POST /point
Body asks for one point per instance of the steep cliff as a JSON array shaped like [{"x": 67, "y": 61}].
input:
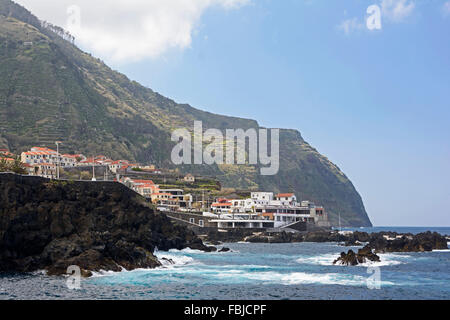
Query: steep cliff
[{"x": 50, "y": 90}]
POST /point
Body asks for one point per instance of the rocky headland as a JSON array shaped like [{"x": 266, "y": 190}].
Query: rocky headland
[{"x": 50, "y": 225}]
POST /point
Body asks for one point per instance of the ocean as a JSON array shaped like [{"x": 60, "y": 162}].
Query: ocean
[{"x": 257, "y": 271}]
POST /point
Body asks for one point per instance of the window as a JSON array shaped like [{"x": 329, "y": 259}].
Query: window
[
  {"x": 192, "y": 220},
  {"x": 200, "y": 223}
]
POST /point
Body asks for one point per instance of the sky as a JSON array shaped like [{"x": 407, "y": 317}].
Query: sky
[{"x": 369, "y": 90}]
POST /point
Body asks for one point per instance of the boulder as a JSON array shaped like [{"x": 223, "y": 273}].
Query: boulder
[{"x": 352, "y": 259}]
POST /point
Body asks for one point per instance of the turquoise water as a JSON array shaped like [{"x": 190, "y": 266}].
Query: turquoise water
[{"x": 255, "y": 271}]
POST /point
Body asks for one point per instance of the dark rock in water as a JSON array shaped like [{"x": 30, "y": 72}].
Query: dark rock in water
[
  {"x": 356, "y": 238},
  {"x": 97, "y": 226},
  {"x": 381, "y": 241},
  {"x": 274, "y": 237},
  {"x": 234, "y": 235},
  {"x": 421, "y": 242},
  {"x": 352, "y": 259},
  {"x": 169, "y": 261},
  {"x": 366, "y": 254},
  {"x": 319, "y": 236},
  {"x": 224, "y": 249},
  {"x": 348, "y": 259},
  {"x": 352, "y": 243},
  {"x": 360, "y": 236},
  {"x": 393, "y": 242}
]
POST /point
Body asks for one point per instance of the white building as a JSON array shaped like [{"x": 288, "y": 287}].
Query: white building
[
  {"x": 39, "y": 155},
  {"x": 262, "y": 209},
  {"x": 286, "y": 199},
  {"x": 262, "y": 198}
]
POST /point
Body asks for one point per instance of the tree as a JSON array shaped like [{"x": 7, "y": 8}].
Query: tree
[
  {"x": 3, "y": 165},
  {"x": 17, "y": 167}
]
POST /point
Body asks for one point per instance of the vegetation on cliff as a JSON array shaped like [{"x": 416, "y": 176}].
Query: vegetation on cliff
[{"x": 14, "y": 166}]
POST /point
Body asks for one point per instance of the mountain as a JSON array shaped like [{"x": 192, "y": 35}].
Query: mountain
[{"x": 50, "y": 90}]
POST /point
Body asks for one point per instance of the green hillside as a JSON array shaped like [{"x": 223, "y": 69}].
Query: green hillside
[{"x": 50, "y": 90}]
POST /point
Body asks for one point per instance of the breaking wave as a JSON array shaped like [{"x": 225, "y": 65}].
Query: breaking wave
[
  {"x": 295, "y": 278},
  {"x": 387, "y": 259}
]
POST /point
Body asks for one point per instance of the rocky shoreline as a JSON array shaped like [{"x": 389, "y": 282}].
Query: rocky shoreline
[
  {"x": 384, "y": 241},
  {"x": 51, "y": 225},
  {"x": 372, "y": 243}
]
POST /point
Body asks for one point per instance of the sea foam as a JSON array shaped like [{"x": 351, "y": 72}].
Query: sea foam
[
  {"x": 387, "y": 259},
  {"x": 296, "y": 278}
]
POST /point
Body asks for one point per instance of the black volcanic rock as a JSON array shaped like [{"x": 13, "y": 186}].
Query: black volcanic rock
[
  {"x": 348, "y": 259},
  {"x": 421, "y": 242},
  {"x": 393, "y": 242},
  {"x": 51, "y": 225},
  {"x": 274, "y": 237},
  {"x": 352, "y": 259}
]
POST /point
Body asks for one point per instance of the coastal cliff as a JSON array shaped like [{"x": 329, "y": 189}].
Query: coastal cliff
[
  {"x": 52, "y": 91},
  {"x": 50, "y": 225}
]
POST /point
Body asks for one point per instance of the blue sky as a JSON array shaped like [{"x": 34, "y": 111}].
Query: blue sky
[{"x": 376, "y": 103}]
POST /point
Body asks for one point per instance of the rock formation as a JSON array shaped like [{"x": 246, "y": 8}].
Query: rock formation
[
  {"x": 352, "y": 259},
  {"x": 51, "y": 225}
]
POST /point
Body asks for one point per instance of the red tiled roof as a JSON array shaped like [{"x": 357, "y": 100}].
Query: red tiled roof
[
  {"x": 44, "y": 149},
  {"x": 69, "y": 155},
  {"x": 284, "y": 195},
  {"x": 226, "y": 204},
  {"x": 39, "y": 153}
]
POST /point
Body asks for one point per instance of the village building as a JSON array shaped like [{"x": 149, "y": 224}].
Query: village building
[
  {"x": 221, "y": 206},
  {"x": 264, "y": 210},
  {"x": 42, "y": 155},
  {"x": 46, "y": 170},
  {"x": 6, "y": 153},
  {"x": 178, "y": 199},
  {"x": 115, "y": 166}
]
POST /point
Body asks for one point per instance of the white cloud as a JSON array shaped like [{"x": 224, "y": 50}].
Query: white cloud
[
  {"x": 350, "y": 25},
  {"x": 446, "y": 8},
  {"x": 397, "y": 10},
  {"x": 130, "y": 30},
  {"x": 393, "y": 11}
]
